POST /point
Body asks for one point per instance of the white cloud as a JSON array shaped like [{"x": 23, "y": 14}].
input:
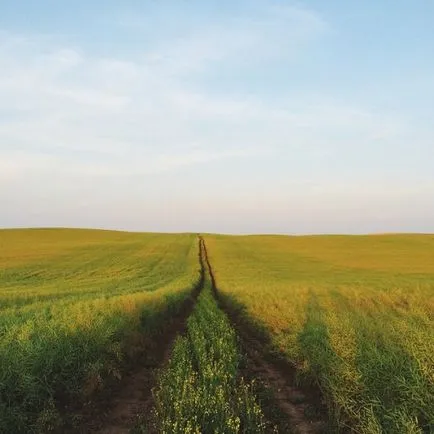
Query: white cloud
[
  {"x": 61, "y": 102},
  {"x": 62, "y": 98},
  {"x": 75, "y": 117},
  {"x": 260, "y": 36}
]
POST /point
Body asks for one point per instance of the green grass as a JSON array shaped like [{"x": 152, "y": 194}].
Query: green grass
[
  {"x": 355, "y": 314},
  {"x": 74, "y": 304},
  {"x": 201, "y": 391}
]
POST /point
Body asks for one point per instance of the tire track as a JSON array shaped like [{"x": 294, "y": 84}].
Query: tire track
[
  {"x": 123, "y": 404},
  {"x": 299, "y": 411}
]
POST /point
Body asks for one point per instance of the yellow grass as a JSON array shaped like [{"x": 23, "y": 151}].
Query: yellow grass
[
  {"x": 355, "y": 314},
  {"x": 69, "y": 302}
]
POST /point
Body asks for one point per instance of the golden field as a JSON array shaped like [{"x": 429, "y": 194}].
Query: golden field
[
  {"x": 354, "y": 314},
  {"x": 72, "y": 305}
]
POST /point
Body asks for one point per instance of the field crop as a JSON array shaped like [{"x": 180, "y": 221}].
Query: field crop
[
  {"x": 354, "y": 314},
  {"x": 74, "y": 304}
]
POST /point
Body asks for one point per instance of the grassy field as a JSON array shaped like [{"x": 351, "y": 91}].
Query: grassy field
[
  {"x": 74, "y": 304},
  {"x": 355, "y": 314}
]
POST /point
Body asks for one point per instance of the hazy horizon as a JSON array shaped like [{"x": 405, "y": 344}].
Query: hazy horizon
[
  {"x": 252, "y": 117},
  {"x": 313, "y": 234}
]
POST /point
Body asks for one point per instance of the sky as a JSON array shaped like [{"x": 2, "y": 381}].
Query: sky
[{"x": 228, "y": 116}]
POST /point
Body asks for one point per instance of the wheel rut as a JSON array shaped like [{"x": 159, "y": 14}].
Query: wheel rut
[
  {"x": 122, "y": 405},
  {"x": 293, "y": 409}
]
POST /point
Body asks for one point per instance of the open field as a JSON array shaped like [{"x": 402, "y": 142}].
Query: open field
[
  {"x": 73, "y": 305},
  {"x": 355, "y": 315},
  {"x": 282, "y": 334}
]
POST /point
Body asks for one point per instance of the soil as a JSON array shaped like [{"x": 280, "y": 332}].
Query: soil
[
  {"x": 288, "y": 406},
  {"x": 119, "y": 408}
]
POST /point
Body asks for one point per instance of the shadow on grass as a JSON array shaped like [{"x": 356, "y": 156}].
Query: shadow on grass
[
  {"x": 255, "y": 337},
  {"x": 315, "y": 344}
]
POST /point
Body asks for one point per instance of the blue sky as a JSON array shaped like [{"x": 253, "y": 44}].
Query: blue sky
[{"x": 218, "y": 116}]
